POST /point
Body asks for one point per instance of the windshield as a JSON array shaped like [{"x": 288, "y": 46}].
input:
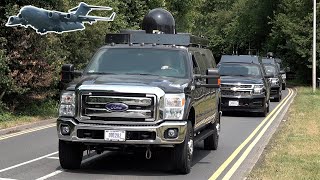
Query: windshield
[
  {"x": 270, "y": 69},
  {"x": 142, "y": 61},
  {"x": 227, "y": 69}
]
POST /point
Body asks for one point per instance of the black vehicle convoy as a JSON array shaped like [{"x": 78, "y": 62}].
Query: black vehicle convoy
[
  {"x": 244, "y": 84},
  {"x": 278, "y": 62},
  {"x": 273, "y": 70},
  {"x": 142, "y": 91}
]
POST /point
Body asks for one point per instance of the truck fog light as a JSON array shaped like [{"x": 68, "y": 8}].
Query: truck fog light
[
  {"x": 65, "y": 129},
  {"x": 171, "y": 133}
]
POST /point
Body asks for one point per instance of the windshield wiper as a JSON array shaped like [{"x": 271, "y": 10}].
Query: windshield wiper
[
  {"x": 105, "y": 73},
  {"x": 142, "y": 74},
  {"x": 234, "y": 75}
]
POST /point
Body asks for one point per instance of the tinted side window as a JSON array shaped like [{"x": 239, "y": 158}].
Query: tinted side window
[
  {"x": 207, "y": 61},
  {"x": 201, "y": 62},
  {"x": 195, "y": 66},
  {"x": 210, "y": 59},
  {"x": 263, "y": 70}
]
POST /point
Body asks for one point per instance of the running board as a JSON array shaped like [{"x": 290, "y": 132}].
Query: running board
[{"x": 204, "y": 134}]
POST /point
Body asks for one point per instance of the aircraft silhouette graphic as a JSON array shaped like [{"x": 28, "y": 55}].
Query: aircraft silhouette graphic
[{"x": 45, "y": 21}]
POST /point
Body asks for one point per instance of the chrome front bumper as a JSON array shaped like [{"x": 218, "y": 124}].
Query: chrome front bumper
[{"x": 158, "y": 129}]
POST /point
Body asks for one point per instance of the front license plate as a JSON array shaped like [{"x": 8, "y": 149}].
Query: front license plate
[
  {"x": 233, "y": 103},
  {"x": 114, "y": 135}
]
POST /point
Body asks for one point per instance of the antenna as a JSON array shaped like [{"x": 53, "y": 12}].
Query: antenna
[
  {"x": 233, "y": 50},
  {"x": 237, "y": 50}
]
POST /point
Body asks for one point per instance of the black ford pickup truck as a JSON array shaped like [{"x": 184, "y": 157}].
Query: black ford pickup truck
[{"x": 141, "y": 91}]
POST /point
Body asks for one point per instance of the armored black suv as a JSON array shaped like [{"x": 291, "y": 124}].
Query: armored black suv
[
  {"x": 141, "y": 91},
  {"x": 277, "y": 62},
  {"x": 244, "y": 84},
  {"x": 273, "y": 70}
]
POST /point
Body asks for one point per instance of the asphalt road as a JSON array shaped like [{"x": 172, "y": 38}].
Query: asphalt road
[{"x": 34, "y": 155}]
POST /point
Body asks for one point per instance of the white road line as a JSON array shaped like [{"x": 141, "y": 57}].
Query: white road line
[
  {"x": 89, "y": 158},
  {"x": 50, "y": 175},
  {"x": 53, "y": 158},
  {"x": 27, "y": 162},
  {"x": 6, "y": 179}
]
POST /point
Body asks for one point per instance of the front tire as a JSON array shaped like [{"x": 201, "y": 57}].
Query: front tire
[
  {"x": 212, "y": 142},
  {"x": 264, "y": 111},
  {"x": 183, "y": 153},
  {"x": 70, "y": 155},
  {"x": 279, "y": 96}
]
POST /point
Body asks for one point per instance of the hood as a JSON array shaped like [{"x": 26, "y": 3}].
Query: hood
[
  {"x": 241, "y": 80},
  {"x": 167, "y": 84}
]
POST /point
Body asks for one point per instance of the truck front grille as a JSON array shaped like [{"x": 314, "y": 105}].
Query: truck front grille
[
  {"x": 141, "y": 107},
  {"x": 236, "y": 86},
  {"x": 235, "y": 93}
]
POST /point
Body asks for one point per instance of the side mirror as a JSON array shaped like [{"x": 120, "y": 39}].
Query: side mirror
[
  {"x": 67, "y": 73},
  {"x": 212, "y": 78}
]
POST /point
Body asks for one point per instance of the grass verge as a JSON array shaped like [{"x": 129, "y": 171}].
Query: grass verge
[
  {"x": 293, "y": 152},
  {"x": 31, "y": 113}
]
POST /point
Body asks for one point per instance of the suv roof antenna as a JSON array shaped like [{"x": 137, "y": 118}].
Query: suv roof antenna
[
  {"x": 237, "y": 50},
  {"x": 233, "y": 50}
]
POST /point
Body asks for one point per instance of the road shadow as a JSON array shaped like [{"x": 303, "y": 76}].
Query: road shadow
[
  {"x": 121, "y": 163},
  {"x": 240, "y": 114}
]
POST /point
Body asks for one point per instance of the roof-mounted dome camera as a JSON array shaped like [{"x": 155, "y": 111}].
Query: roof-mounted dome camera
[
  {"x": 270, "y": 55},
  {"x": 159, "y": 21}
]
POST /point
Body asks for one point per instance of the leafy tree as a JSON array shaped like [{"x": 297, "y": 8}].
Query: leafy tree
[
  {"x": 28, "y": 62},
  {"x": 291, "y": 36}
]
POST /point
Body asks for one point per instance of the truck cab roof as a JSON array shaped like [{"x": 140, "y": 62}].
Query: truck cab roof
[{"x": 240, "y": 59}]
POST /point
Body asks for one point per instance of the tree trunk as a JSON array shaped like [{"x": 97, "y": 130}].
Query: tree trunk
[{"x": 2, "y": 94}]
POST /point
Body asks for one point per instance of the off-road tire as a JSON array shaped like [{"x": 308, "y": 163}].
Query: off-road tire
[
  {"x": 279, "y": 96},
  {"x": 70, "y": 155},
  {"x": 264, "y": 112},
  {"x": 182, "y": 157}
]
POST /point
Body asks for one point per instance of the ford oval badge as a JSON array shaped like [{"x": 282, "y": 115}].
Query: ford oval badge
[{"x": 116, "y": 107}]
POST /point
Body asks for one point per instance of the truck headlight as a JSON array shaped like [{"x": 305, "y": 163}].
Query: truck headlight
[
  {"x": 172, "y": 106},
  {"x": 258, "y": 89},
  {"x": 67, "y": 104}
]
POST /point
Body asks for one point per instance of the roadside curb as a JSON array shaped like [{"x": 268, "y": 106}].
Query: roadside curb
[
  {"x": 26, "y": 126},
  {"x": 256, "y": 153}
]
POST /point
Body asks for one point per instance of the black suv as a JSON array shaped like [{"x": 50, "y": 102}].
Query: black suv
[
  {"x": 273, "y": 70},
  {"x": 244, "y": 84},
  {"x": 142, "y": 91},
  {"x": 278, "y": 63}
]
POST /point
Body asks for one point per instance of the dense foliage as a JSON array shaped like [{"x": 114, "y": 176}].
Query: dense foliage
[{"x": 30, "y": 63}]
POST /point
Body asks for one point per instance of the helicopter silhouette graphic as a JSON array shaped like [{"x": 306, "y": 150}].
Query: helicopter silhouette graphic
[{"x": 45, "y": 21}]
